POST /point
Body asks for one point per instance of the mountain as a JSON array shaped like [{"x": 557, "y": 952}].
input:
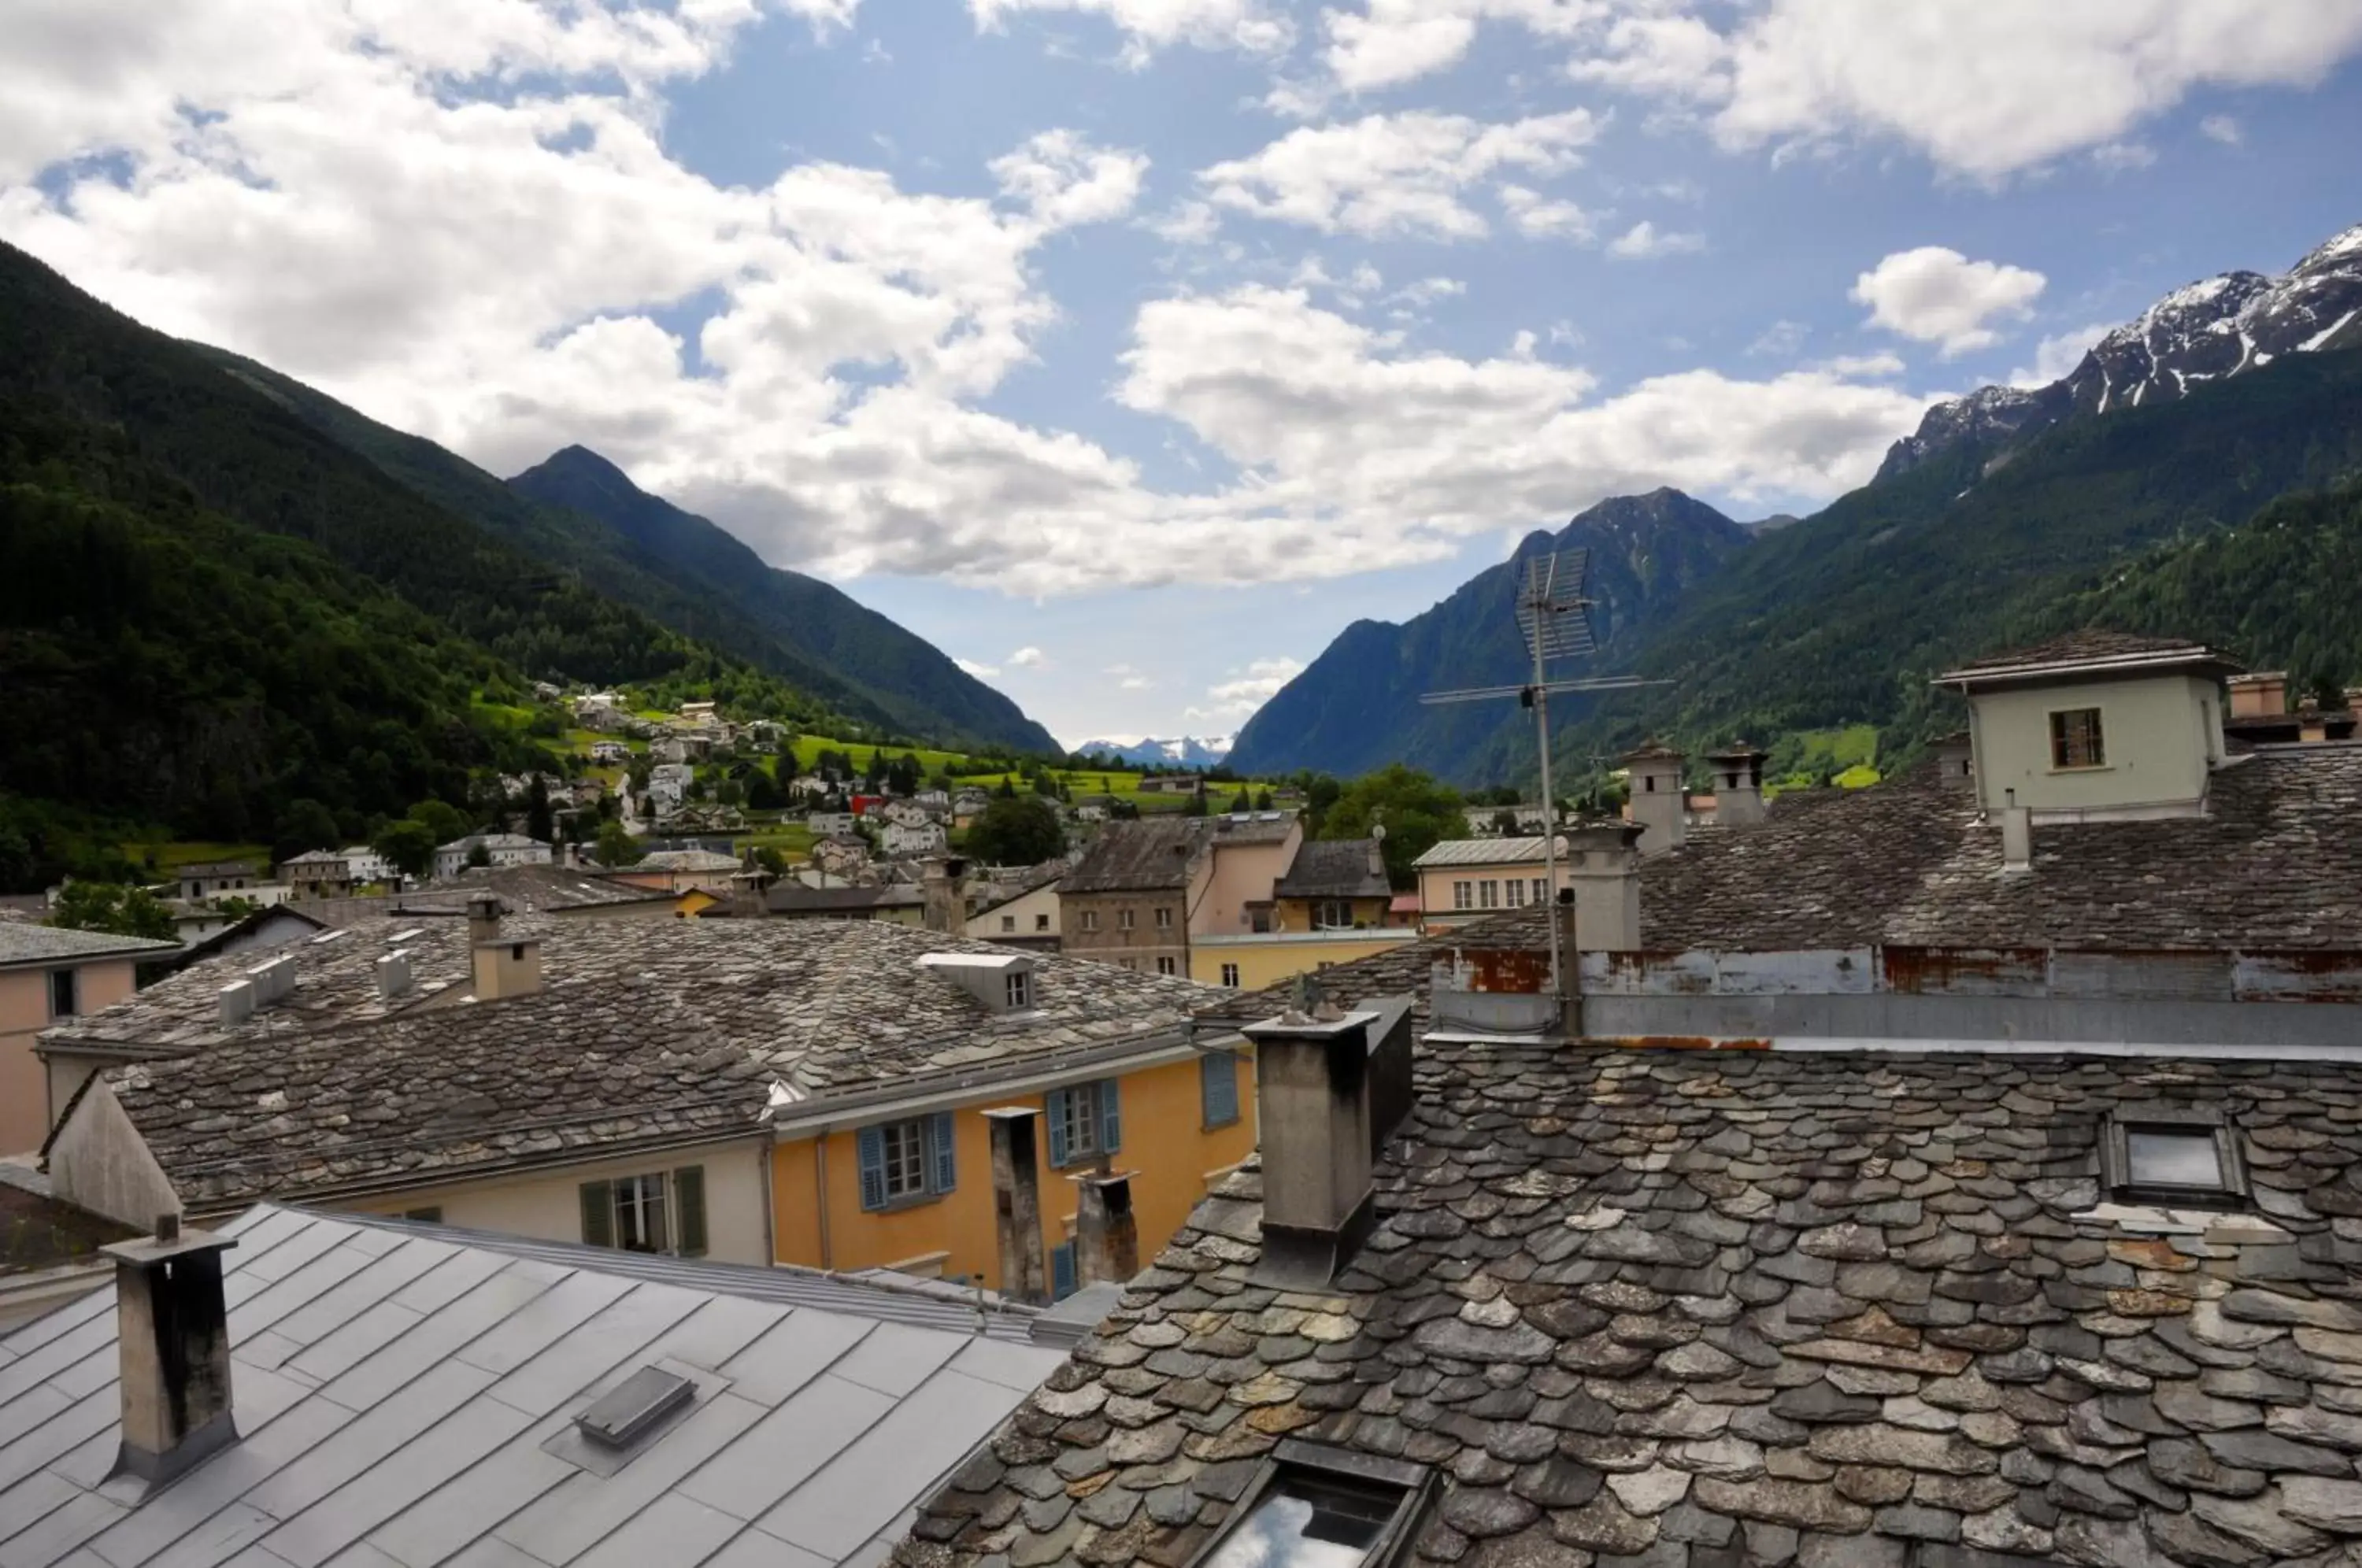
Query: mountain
[
  {"x": 2208, "y": 331},
  {"x": 1356, "y": 707},
  {"x": 913, "y": 683},
  {"x": 579, "y": 511},
  {"x": 1184, "y": 751}
]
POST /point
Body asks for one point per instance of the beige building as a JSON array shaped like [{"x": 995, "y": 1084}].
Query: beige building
[
  {"x": 47, "y": 975},
  {"x": 1462, "y": 879},
  {"x": 1028, "y": 919},
  {"x": 1145, "y": 886},
  {"x": 1252, "y": 962}
]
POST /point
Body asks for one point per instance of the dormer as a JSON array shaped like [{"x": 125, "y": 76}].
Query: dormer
[
  {"x": 1002, "y": 982},
  {"x": 2095, "y": 724}
]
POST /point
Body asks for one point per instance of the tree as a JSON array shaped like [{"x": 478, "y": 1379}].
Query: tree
[
  {"x": 1197, "y": 806},
  {"x": 477, "y": 854},
  {"x": 762, "y": 791},
  {"x": 1242, "y": 802},
  {"x": 304, "y": 825},
  {"x": 1417, "y": 812},
  {"x": 1262, "y": 801},
  {"x": 617, "y": 848},
  {"x": 769, "y": 857},
  {"x": 1007, "y": 787},
  {"x": 538, "y": 823},
  {"x": 1016, "y": 833},
  {"x": 408, "y": 844},
  {"x": 443, "y": 821},
  {"x": 112, "y": 907}
]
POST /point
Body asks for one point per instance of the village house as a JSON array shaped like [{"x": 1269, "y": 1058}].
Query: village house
[
  {"x": 317, "y": 874},
  {"x": 1905, "y": 1178},
  {"x": 830, "y": 824},
  {"x": 568, "y": 891},
  {"x": 499, "y": 848},
  {"x": 1169, "y": 784},
  {"x": 1462, "y": 879},
  {"x": 1329, "y": 907},
  {"x": 668, "y": 786},
  {"x": 937, "y": 804},
  {"x": 921, "y": 838},
  {"x": 835, "y": 1089},
  {"x": 1023, "y": 916},
  {"x": 49, "y": 975},
  {"x": 600, "y": 711},
  {"x": 843, "y": 855},
  {"x": 1143, "y": 888},
  {"x": 681, "y": 871},
  {"x": 322, "y": 1387},
  {"x": 609, "y": 753},
  {"x": 366, "y": 866},
  {"x": 211, "y": 878}
]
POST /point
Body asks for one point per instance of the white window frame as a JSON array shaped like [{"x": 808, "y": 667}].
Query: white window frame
[
  {"x": 1079, "y": 1111},
  {"x": 636, "y": 1200},
  {"x": 1231, "y": 976},
  {"x": 908, "y": 1149},
  {"x": 1488, "y": 894},
  {"x": 1018, "y": 986},
  {"x": 1463, "y": 895},
  {"x": 1168, "y": 966},
  {"x": 1164, "y": 918}
]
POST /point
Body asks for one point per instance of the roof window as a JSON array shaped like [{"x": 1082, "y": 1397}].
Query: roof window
[
  {"x": 1313, "y": 1507},
  {"x": 2180, "y": 1156},
  {"x": 634, "y": 1405}
]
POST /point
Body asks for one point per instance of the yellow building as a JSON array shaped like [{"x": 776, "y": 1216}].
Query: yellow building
[
  {"x": 1251, "y": 962},
  {"x": 1333, "y": 885}
]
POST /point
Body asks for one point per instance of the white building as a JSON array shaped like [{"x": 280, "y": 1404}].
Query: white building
[
  {"x": 365, "y": 864},
  {"x": 500, "y": 849},
  {"x": 668, "y": 785},
  {"x": 831, "y": 824},
  {"x": 921, "y": 838}
]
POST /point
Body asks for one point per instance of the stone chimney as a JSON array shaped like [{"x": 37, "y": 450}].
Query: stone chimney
[
  {"x": 1737, "y": 785},
  {"x": 1106, "y": 1237},
  {"x": 1658, "y": 804},
  {"x": 505, "y": 966},
  {"x": 750, "y": 887},
  {"x": 2262, "y": 693},
  {"x": 1017, "y": 1202},
  {"x": 172, "y": 1326},
  {"x": 1312, "y": 1088},
  {"x": 942, "y": 887},
  {"x": 2312, "y": 724},
  {"x": 2017, "y": 835},
  {"x": 1603, "y": 869},
  {"x": 1955, "y": 761}
]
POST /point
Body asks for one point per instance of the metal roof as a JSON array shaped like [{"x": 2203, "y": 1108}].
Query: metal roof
[
  {"x": 22, "y": 944},
  {"x": 404, "y": 1395},
  {"x": 1482, "y": 852}
]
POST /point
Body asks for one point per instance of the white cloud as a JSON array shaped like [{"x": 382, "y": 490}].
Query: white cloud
[
  {"x": 1186, "y": 222},
  {"x": 981, "y": 671},
  {"x": 2119, "y": 157},
  {"x": 1028, "y": 659},
  {"x": 2221, "y": 128},
  {"x": 1389, "y": 42},
  {"x": 1249, "y": 688},
  {"x": 1394, "y": 176},
  {"x": 1868, "y": 367},
  {"x": 1674, "y": 57},
  {"x": 1538, "y": 216},
  {"x": 1645, "y": 241},
  {"x": 1064, "y": 181},
  {"x": 2058, "y": 354},
  {"x": 1128, "y": 678},
  {"x": 1152, "y": 25},
  {"x": 1426, "y": 290},
  {"x": 1937, "y": 295},
  {"x": 1780, "y": 339}
]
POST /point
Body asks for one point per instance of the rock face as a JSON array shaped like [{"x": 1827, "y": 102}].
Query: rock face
[{"x": 2206, "y": 331}]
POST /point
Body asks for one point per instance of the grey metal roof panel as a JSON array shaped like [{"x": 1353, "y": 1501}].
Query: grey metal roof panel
[{"x": 418, "y": 1376}]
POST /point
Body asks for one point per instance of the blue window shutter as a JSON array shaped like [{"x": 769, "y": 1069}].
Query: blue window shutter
[
  {"x": 870, "y": 1144},
  {"x": 1058, "y": 1112},
  {"x": 947, "y": 1172},
  {"x": 1062, "y": 1271},
  {"x": 1218, "y": 1085},
  {"x": 1111, "y": 1119}
]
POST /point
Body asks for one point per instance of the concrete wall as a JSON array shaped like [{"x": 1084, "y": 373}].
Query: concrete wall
[
  {"x": 547, "y": 1205},
  {"x": 1267, "y": 960},
  {"x": 2158, "y": 736},
  {"x": 1164, "y": 1139},
  {"x": 1243, "y": 873},
  {"x": 26, "y": 1106},
  {"x": 1018, "y": 920},
  {"x": 100, "y": 1163}
]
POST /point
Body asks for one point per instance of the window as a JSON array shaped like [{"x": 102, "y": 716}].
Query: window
[
  {"x": 1123, "y": 918},
  {"x": 1168, "y": 966},
  {"x": 1231, "y": 976},
  {"x": 907, "y": 1161},
  {"x": 430, "y": 1215},
  {"x": 1313, "y": 1507},
  {"x": 1009, "y": 922},
  {"x": 1334, "y": 914},
  {"x": 1488, "y": 894},
  {"x": 1020, "y": 989},
  {"x": 1062, "y": 1271},
  {"x": 1259, "y": 922},
  {"x": 62, "y": 993},
  {"x": 661, "y": 1211},
  {"x": 2172, "y": 1154},
  {"x": 1084, "y": 1123},
  {"x": 1541, "y": 891},
  {"x": 1041, "y": 923},
  {"x": 1515, "y": 893},
  {"x": 2075, "y": 739},
  {"x": 1463, "y": 895},
  {"x": 1164, "y": 920},
  {"x": 1218, "y": 1089},
  {"x": 1090, "y": 919}
]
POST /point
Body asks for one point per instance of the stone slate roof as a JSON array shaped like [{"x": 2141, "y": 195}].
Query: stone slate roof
[
  {"x": 2092, "y": 642},
  {"x": 25, "y": 943},
  {"x": 39, "y": 1231},
  {"x": 1334, "y": 869},
  {"x": 648, "y": 1033},
  {"x": 794, "y": 898},
  {"x": 1138, "y": 856},
  {"x": 1689, "y": 1308},
  {"x": 407, "y": 1395},
  {"x": 526, "y": 890}
]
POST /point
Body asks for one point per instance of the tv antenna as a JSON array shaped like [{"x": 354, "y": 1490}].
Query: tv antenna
[{"x": 1554, "y": 623}]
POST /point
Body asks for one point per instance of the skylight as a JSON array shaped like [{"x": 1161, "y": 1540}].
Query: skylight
[
  {"x": 2172, "y": 1154},
  {"x": 1314, "y": 1507}
]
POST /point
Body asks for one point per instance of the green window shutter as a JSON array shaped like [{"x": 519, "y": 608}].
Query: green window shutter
[
  {"x": 688, "y": 1198},
  {"x": 1057, "y": 1115},
  {"x": 946, "y": 1171},
  {"x": 869, "y": 1143},
  {"x": 1111, "y": 1119},
  {"x": 599, "y": 1213}
]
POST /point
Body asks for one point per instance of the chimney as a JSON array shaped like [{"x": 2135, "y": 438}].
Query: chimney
[
  {"x": 393, "y": 975},
  {"x": 1312, "y": 1088},
  {"x": 1106, "y": 1237},
  {"x": 942, "y": 889},
  {"x": 236, "y": 1003},
  {"x": 1955, "y": 761},
  {"x": 2312, "y": 724},
  {"x": 1017, "y": 1202},
  {"x": 1658, "y": 806},
  {"x": 2017, "y": 835},
  {"x": 172, "y": 1326},
  {"x": 1603, "y": 869},
  {"x": 1737, "y": 785},
  {"x": 504, "y": 967},
  {"x": 2260, "y": 694}
]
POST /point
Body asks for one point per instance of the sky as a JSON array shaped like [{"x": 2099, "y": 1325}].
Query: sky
[{"x": 1130, "y": 350}]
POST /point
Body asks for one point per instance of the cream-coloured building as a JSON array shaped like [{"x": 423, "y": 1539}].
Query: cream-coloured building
[
  {"x": 1028, "y": 919},
  {"x": 1256, "y": 960},
  {"x": 49, "y": 975},
  {"x": 1462, "y": 879}
]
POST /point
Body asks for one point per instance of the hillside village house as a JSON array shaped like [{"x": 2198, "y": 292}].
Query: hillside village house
[
  {"x": 922, "y": 838},
  {"x": 366, "y": 866},
  {"x": 755, "y": 1090},
  {"x": 212, "y": 879},
  {"x": 46, "y": 975},
  {"x": 1027, "y": 917},
  {"x": 317, "y": 874},
  {"x": 681, "y": 870},
  {"x": 896, "y": 903},
  {"x": 500, "y": 849},
  {"x": 1957, "y": 1173}
]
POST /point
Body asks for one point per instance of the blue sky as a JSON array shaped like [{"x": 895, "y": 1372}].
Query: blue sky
[{"x": 1128, "y": 349}]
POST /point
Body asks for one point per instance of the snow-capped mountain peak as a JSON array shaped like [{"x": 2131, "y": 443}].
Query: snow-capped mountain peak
[
  {"x": 1148, "y": 751},
  {"x": 2201, "y": 332}
]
